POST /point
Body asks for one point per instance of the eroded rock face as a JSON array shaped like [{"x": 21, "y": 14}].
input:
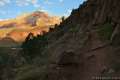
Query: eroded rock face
[
  {"x": 68, "y": 59},
  {"x": 94, "y": 42}
]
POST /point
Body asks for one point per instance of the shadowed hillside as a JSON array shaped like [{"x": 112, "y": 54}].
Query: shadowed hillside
[
  {"x": 85, "y": 46},
  {"x": 8, "y": 42},
  {"x": 88, "y": 47}
]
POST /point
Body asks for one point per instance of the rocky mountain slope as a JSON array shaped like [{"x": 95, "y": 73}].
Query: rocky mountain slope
[
  {"x": 20, "y": 27},
  {"x": 88, "y": 47}
]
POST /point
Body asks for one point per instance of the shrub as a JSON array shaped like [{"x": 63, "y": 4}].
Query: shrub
[
  {"x": 34, "y": 47},
  {"x": 62, "y": 18},
  {"x": 105, "y": 31},
  {"x": 75, "y": 28}
]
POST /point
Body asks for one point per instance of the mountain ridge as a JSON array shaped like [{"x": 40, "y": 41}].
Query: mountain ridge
[{"x": 26, "y": 24}]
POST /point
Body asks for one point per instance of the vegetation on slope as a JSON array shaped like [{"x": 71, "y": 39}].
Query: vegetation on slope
[{"x": 105, "y": 31}]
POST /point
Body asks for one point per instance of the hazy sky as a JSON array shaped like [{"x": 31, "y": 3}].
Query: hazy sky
[{"x": 13, "y": 8}]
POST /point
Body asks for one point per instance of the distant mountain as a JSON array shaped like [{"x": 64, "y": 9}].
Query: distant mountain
[{"x": 21, "y": 26}]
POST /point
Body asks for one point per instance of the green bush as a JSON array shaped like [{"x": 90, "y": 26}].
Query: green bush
[
  {"x": 105, "y": 31},
  {"x": 73, "y": 30}
]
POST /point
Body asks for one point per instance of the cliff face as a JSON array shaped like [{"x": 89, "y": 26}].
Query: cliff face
[{"x": 89, "y": 44}]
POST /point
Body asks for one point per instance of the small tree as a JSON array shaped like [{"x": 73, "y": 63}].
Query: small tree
[
  {"x": 63, "y": 18},
  {"x": 30, "y": 36},
  {"x": 34, "y": 47}
]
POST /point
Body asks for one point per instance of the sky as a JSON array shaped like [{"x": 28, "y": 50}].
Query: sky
[{"x": 12, "y": 8}]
